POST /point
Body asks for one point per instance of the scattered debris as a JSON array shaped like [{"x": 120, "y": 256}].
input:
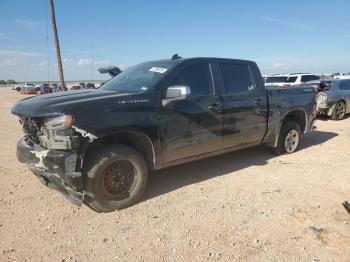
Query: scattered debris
[
  {"x": 316, "y": 230},
  {"x": 346, "y": 205}
]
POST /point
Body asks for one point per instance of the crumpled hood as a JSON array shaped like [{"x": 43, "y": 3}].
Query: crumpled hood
[{"x": 56, "y": 103}]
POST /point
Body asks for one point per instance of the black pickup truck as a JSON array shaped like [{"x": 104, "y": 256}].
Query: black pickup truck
[{"x": 98, "y": 146}]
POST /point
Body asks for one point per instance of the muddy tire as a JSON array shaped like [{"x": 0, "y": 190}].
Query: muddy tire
[
  {"x": 115, "y": 177},
  {"x": 339, "y": 111},
  {"x": 289, "y": 138}
]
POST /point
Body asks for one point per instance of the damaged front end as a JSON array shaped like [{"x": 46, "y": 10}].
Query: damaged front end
[{"x": 52, "y": 150}]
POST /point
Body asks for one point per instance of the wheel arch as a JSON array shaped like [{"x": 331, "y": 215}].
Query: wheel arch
[
  {"x": 331, "y": 109},
  {"x": 297, "y": 115},
  {"x": 137, "y": 140}
]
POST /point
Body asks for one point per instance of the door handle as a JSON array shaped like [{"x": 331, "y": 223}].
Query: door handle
[
  {"x": 257, "y": 102},
  {"x": 214, "y": 107}
]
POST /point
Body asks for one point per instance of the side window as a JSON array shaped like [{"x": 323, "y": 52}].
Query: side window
[
  {"x": 309, "y": 78},
  {"x": 237, "y": 77},
  {"x": 198, "y": 78}
]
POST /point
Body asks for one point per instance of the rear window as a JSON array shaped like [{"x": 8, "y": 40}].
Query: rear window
[
  {"x": 276, "y": 79},
  {"x": 237, "y": 77},
  {"x": 308, "y": 78}
]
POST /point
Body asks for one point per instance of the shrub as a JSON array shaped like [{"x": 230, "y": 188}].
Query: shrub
[{"x": 11, "y": 82}]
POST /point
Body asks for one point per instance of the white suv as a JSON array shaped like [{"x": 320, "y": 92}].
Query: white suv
[
  {"x": 299, "y": 79},
  {"x": 276, "y": 80}
]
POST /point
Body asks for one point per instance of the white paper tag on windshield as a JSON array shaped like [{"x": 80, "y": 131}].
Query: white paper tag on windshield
[{"x": 158, "y": 70}]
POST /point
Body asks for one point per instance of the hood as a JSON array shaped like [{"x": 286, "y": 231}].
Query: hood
[{"x": 56, "y": 103}]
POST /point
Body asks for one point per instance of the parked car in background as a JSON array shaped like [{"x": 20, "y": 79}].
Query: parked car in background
[
  {"x": 342, "y": 76},
  {"x": 44, "y": 89},
  {"x": 55, "y": 87},
  {"x": 334, "y": 99},
  {"x": 277, "y": 80},
  {"x": 17, "y": 88},
  {"x": 97, "y": 146},
  {"x": 82, "y": 85},
  {"x": 75, "y": 88},
  {"x": 90, "y": 86},
  {"x": 301, "y": 79},
  {"x": 29, "y": 89}
]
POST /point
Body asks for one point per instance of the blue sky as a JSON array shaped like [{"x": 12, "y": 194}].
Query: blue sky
[{"x": 282, "y": 36}]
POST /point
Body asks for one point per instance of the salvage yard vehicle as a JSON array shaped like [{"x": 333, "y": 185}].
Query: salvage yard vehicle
[
  {"x": 97, "y": 146},
  {"x": 302, "y": 78},
  {"x": 276, "y": 80},
  {"x": 29, "y": 89},
  {"x": 44, "y": 89},
  {"x": 334, "y": 99}
]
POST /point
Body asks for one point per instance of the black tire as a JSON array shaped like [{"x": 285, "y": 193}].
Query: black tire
[
  {"x": 115, "y": 177},
  {"x": 286, "y": 130},
  {"x": 339, "y": 111}
]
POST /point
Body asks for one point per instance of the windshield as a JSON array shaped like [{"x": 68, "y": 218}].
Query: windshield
[
  {"x": 276, "y": 79},
  {"x": 139, "y": 78}
]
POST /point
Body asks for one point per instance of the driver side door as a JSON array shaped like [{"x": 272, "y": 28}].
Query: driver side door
[{"x": 192, "y": 126}]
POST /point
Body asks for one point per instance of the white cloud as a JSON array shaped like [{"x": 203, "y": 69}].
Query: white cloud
[
  {"x": 26, "y": 23},
  {"x": 43, "y": 63},
  {"x": 277, "y": 65},
  {"x": 84, "y": 62},
  {"x": 282, "y": 22},
  {"x": 4, "y": 36},
  {"x": 66, "y": 60},
  {"x": 13, "y": 58}
]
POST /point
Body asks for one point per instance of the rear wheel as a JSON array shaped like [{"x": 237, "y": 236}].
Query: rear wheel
[
  {"x": 115, "y": 178},
  {"x": 339, "y": 111},
  {"x": 289, "y": 138}
]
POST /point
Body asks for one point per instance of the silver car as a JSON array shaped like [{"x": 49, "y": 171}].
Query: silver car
[{"x": 333, "y": 98}]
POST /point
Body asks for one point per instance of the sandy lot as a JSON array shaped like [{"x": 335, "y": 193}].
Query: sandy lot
[{"x": 248, "y": 205}]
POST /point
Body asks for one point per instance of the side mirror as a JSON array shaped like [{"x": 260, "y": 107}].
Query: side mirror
[{"x": 175, "y": 93}]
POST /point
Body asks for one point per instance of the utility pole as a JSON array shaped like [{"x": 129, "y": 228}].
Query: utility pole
[{"x": 57, "y": 45}]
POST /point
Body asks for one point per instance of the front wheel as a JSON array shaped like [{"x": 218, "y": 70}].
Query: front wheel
[
  {"x": 115, "y": 178},
  {"x": 289, "y": 138}
]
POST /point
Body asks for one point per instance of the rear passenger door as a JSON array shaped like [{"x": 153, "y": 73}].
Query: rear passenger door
[{"x": 244, "y": 104}]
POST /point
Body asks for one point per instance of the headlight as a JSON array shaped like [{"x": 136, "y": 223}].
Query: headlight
[
  {"x": 322, "y": 97},
  {"x": 56, "y": 133},
  {"x": 65, "y": 120}
]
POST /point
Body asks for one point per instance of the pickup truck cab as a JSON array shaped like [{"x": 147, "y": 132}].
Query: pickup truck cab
[{"x": 98, "y": 146}]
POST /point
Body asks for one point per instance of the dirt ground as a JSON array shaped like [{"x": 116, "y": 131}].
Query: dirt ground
[{"x": 248, "y": 206}]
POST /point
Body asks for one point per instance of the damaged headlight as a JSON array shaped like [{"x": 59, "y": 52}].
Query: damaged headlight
[
  {"x": 65, "y": 120},
  {"x": 322, "y": 96},
  {"x": 57, "y": 133}
]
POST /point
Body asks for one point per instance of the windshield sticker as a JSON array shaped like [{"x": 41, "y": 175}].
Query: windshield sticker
[
  {"x": 160, "y": 70},
  {"x": 144, "y": 88}
]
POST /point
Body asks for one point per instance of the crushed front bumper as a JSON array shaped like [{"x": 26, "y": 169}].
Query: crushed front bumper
[{"x": 54, "y": 168}]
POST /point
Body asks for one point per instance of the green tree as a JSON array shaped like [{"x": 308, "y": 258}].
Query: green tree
[
  {"x": 3, "y": 82},
  {"x": 11, "y": 82}
]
